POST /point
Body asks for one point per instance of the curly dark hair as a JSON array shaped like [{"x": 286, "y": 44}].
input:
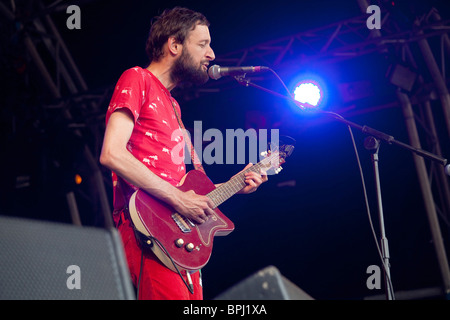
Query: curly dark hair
[{"x": 177, "y": 23}]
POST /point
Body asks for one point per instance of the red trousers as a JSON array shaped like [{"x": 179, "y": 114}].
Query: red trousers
[{"x": 157, "y": 281}]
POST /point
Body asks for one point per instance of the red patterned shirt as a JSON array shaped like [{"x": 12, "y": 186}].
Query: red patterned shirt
[{"x": 156, "y": 137}]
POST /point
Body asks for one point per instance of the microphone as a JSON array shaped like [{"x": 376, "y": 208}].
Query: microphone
[{"x": 216, "y": 72}]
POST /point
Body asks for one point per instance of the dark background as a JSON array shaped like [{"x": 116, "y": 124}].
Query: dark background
[{"x": 315, "y": 229}]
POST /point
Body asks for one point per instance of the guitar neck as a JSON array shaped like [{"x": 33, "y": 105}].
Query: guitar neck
[{"x": 235, "y": 184}]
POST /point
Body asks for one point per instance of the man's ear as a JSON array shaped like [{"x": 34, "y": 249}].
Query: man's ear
[{"x": 174, "y": 46}]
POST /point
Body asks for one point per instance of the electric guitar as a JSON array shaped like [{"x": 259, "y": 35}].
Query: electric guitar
[{"x": 179, "y": 242}]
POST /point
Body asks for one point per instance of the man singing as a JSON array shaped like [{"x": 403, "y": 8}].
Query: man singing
[{"x": 140, "y": 120}]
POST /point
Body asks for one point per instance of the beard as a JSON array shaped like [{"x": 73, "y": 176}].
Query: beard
[{"x": 184, "y": 70}]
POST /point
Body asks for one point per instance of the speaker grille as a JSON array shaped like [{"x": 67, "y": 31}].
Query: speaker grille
[
  {"x": 266, "y": 284},
  {"x": 35, "y": 257}
]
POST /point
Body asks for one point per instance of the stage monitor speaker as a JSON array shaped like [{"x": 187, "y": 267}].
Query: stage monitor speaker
[
  {"x": 55, "y": 261},
  {"x": 266, "y": 284}
]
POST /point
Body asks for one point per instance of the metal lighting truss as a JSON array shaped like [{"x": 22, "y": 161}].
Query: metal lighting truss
[{"x": 66, "y": 90}]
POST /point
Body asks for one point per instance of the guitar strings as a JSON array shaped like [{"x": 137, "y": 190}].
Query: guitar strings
[{"x": 236, "y": 183}]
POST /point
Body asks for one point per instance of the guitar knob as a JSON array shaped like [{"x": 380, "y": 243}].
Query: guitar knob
[
  {"x": 179, "y": 243},
  {"x": 190, "y": 247}
]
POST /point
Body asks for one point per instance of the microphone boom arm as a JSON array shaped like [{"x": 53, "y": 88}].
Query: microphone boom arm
[{"x": 363, "y": 128}]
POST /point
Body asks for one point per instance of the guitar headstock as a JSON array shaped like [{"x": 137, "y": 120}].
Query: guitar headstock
[{"x": 275, "y": 156}]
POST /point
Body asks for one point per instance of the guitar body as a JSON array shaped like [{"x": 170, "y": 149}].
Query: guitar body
[
  {"x": 179, "y": 242},
  {"x": 188, "y": 244}
]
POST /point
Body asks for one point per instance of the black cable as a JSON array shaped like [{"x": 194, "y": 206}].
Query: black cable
[
  {"x": 143, "y": 241},
  {"x": 140, "y": 274},
  {"x": 191, "y": 290},
  {"x": 368, "y": 208}
]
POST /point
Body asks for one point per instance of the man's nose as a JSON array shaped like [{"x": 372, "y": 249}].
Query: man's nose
[{"x": 210, "y": 54}]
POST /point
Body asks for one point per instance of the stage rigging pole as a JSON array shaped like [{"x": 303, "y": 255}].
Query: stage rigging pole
[
  {"x": 425, "y": 187},
  {"x": 55, "y": 92}
]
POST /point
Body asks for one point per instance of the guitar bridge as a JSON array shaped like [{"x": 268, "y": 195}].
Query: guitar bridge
[{"x": 183, "y": 223}]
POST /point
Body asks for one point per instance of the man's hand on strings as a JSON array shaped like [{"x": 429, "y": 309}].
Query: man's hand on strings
[
  {"x": 253, "y": 180},
  {"x": 194, "y": 206}
]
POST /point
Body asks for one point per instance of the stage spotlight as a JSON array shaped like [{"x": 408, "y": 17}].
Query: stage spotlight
[
  {"x": 78, "y": 179},
  {"x": 308, "y": 93}
]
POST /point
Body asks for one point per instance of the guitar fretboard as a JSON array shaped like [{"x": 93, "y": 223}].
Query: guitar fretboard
[{"x": 236, "y": 183}]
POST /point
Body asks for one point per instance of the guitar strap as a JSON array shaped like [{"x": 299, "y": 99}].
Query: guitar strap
[
  {"x": 195, "y": 160},
  {"x": 141, "y": 238},
  {"x": 126, "y": 190}
]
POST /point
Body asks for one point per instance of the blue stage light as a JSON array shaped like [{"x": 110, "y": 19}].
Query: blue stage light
[{"x": 308, "y": 93}]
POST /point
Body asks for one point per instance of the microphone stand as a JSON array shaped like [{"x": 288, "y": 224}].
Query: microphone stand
[{"x": 372, "y": 143}]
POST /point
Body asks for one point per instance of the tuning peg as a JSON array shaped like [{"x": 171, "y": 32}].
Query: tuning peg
[
  {"x": 277, "y": 170},
  {"x": 264, "y": 153}
]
